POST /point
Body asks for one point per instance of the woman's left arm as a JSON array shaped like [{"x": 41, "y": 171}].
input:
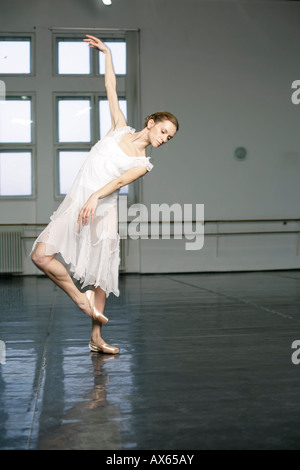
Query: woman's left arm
[
  {"x": 117, "y": 117},
  {"x": 90, "y": 206}
]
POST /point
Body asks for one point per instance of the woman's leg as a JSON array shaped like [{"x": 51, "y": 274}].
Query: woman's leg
[
  {"x": 100, "y": 301},
  {"x": 96, "y": 337},
  {"x": 58, "y": 274}
]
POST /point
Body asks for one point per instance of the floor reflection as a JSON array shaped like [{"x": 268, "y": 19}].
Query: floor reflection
[{"x": 89, "y": 421}]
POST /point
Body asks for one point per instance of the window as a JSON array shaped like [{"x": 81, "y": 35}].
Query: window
[
  {"x": 16, "y": 55},
  {"x": 17, "y": 138},
  {"x": 104, "y": 114},
  {"x": 81, "y": 119},
  {"x": 17, "y": 146},
  {"x": 15, "y": 173},
  {"x": 15, "y": 120},
  {"x": 79, "y": 115},
  {"x": 75, "y": 57},
  {"x": 69, "y": 163},
  {"x": 74, "y": 120},
  {"x": 118, "y": 52}
]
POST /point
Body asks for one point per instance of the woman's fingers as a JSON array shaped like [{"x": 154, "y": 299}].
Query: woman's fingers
[
  {"x": 95, "y": 42},
  {"x": 84, "y": 216},
  {"x": 88, "y": 211}
]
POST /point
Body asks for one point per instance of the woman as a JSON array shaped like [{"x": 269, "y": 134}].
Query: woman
[{"x": 84, "y": 227}]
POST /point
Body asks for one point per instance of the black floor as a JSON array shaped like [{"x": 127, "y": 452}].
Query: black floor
[{"x": 205, "y": 363}]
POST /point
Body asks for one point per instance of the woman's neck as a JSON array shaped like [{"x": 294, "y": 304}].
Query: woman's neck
[{"x": 141, "y": 139}]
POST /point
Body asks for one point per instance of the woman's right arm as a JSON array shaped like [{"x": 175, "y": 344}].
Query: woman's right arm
[
  {"x": 117, "y": 117},
  {"x": 89, "y": 208}
]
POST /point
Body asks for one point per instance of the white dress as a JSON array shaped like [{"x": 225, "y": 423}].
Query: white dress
[{"x": 92, "y": 251}]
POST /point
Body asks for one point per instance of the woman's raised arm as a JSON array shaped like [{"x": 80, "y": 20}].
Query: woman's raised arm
[{"x": 117, "y": 117}]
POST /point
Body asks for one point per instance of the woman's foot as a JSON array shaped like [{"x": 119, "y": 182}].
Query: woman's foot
[
  {"x": 100, "y": 346},
  {"x": 96, "y": 315},
  {"x": 87, "y": 304}
]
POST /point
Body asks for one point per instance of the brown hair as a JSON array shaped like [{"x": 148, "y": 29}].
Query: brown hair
[{"x": 163, "y": 116}]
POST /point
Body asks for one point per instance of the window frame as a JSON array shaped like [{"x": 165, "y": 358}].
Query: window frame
[
  {"x": 8, "y": 36},
  {"x": 24, "y": 147},
  {"x": 128, "y": 88}
]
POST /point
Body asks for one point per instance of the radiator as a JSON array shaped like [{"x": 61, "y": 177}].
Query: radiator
[{"x": 11, "y": 260}]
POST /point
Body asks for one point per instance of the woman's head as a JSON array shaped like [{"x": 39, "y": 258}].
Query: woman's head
[
  {"x": 162, "y": 126},
  {"x": 162, "y": 116}
]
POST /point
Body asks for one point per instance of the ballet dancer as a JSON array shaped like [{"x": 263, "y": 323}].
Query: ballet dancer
[{"x": 84, "y": 228}]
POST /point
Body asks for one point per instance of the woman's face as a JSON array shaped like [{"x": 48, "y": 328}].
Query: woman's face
[{"x": 160, "y": 132}]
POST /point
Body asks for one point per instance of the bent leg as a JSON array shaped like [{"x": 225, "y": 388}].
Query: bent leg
[{"x": 57, "y": 272}]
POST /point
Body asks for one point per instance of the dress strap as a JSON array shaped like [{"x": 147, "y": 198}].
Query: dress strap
[{"x": 118, "y": 133}]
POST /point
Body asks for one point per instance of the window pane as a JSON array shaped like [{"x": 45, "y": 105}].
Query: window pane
[
  {"x": 104, "y": 114},
  {"x": 118, "y": 53},
  {"x": 69, "y": 164},
  {"x": 15, "y": 174},
  {"x": 74, "y": 120},
  {"x": 73, "y": 57},
  {"x": 15, "y": 120},
  {"x": 15, "y": 56}
]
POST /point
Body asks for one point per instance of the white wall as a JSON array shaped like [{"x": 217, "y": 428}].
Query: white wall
[{"x": 225, "y": 68}]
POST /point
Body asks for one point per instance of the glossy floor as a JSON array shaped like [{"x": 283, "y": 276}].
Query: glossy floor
[{"x": 205, "y": 363}]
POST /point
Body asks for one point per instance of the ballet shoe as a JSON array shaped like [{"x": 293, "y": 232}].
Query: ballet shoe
[
  {"x": 96, "y": 315},
  {"x": 104, "y": 348}
]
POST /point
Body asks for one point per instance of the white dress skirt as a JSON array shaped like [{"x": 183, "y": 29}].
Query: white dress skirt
[{"x": 93, "y": 250}]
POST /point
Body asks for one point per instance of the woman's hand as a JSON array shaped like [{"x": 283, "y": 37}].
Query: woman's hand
[
  {"x": 88, "y": 210},
  {"x": 95, "y": 43}
]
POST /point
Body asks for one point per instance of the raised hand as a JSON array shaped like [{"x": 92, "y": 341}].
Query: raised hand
[{"x": 96, "y": 43}]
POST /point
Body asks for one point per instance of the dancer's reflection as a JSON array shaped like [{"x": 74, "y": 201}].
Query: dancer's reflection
[{"x": 93, "y": 423}]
